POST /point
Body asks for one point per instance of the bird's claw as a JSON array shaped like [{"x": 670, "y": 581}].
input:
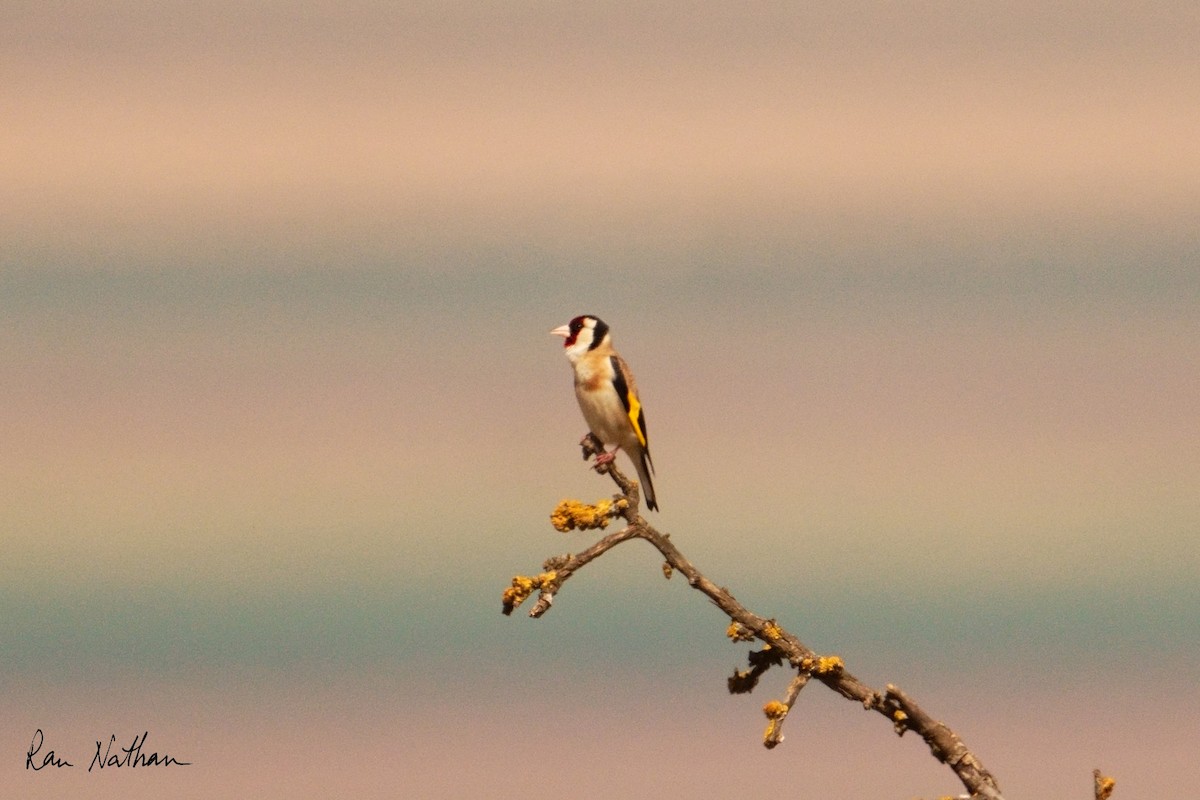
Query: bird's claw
[{"x": 592, "y": 446}]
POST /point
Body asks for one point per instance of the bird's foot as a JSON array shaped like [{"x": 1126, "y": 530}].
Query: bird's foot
[{"x": 605, "y": 458}]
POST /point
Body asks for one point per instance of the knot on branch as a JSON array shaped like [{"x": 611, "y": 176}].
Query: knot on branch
[
  {"x": 891, "y": 704},
  {"x": 522, "y": 587},
  {"x": 591, "y": 447},
  {"x": 572, "y": 514},
  {"x": 744, "y": 681},
  {"x": 737, "y": 632},
  {"x": 767, "y": 657}
]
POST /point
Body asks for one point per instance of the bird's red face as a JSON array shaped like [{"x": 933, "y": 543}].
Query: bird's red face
[{"x": 570, "y": 331}]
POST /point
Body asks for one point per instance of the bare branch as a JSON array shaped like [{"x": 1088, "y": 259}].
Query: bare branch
[{"x": 779, "y": 645}]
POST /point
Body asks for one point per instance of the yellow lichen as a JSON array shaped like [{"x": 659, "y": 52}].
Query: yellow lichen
[
  {"x": 572, "y": 514},
  {"x": 522, "y": 587},
  {"x": 827, "y": 664},
  {"x": 738, "y": 632},
  {"x": 822, "y": 665},
  {"x": 772, "y": 631},
  {"x": 668, "y": 570},
  {"x": 775, "y": 710},
  {"x": 516, "y": 594}
]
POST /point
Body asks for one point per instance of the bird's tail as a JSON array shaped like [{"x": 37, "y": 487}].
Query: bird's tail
[{"x": 645, "y": 468}]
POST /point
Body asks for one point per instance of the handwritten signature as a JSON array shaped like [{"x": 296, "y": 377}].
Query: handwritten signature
[{"x": 131, "y": 756}]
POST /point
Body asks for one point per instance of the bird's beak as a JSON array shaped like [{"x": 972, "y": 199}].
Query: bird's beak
[{"x": 562, "y": 330}]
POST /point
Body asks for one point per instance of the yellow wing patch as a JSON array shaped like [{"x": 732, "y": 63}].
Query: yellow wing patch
[
  {"x": 635, "y": 417},
  {"x": 626, "y": 390}
]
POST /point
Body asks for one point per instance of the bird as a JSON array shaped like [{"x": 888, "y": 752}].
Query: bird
[{"x": 608, "y": 397}]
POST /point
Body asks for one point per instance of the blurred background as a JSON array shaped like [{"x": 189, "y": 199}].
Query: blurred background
[{"x": 913, "y": 298}]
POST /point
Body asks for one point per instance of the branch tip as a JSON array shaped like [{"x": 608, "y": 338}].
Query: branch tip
[
  {"x": 775, "y": 712},
  {"x": 742, "y": 681},
  {"x": 522, "y": 587}
]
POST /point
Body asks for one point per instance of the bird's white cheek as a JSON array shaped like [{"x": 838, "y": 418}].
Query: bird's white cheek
[{"x": 576, "y": 352}]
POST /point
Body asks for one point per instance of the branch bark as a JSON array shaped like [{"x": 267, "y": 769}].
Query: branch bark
[{"x": 778, "y": 644}]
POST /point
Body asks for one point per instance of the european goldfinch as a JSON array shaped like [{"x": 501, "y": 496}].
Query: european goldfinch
[{"x": 608, "y": 396}]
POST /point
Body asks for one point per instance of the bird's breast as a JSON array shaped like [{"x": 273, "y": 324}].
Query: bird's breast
[{"x": 603, "y": 412}]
